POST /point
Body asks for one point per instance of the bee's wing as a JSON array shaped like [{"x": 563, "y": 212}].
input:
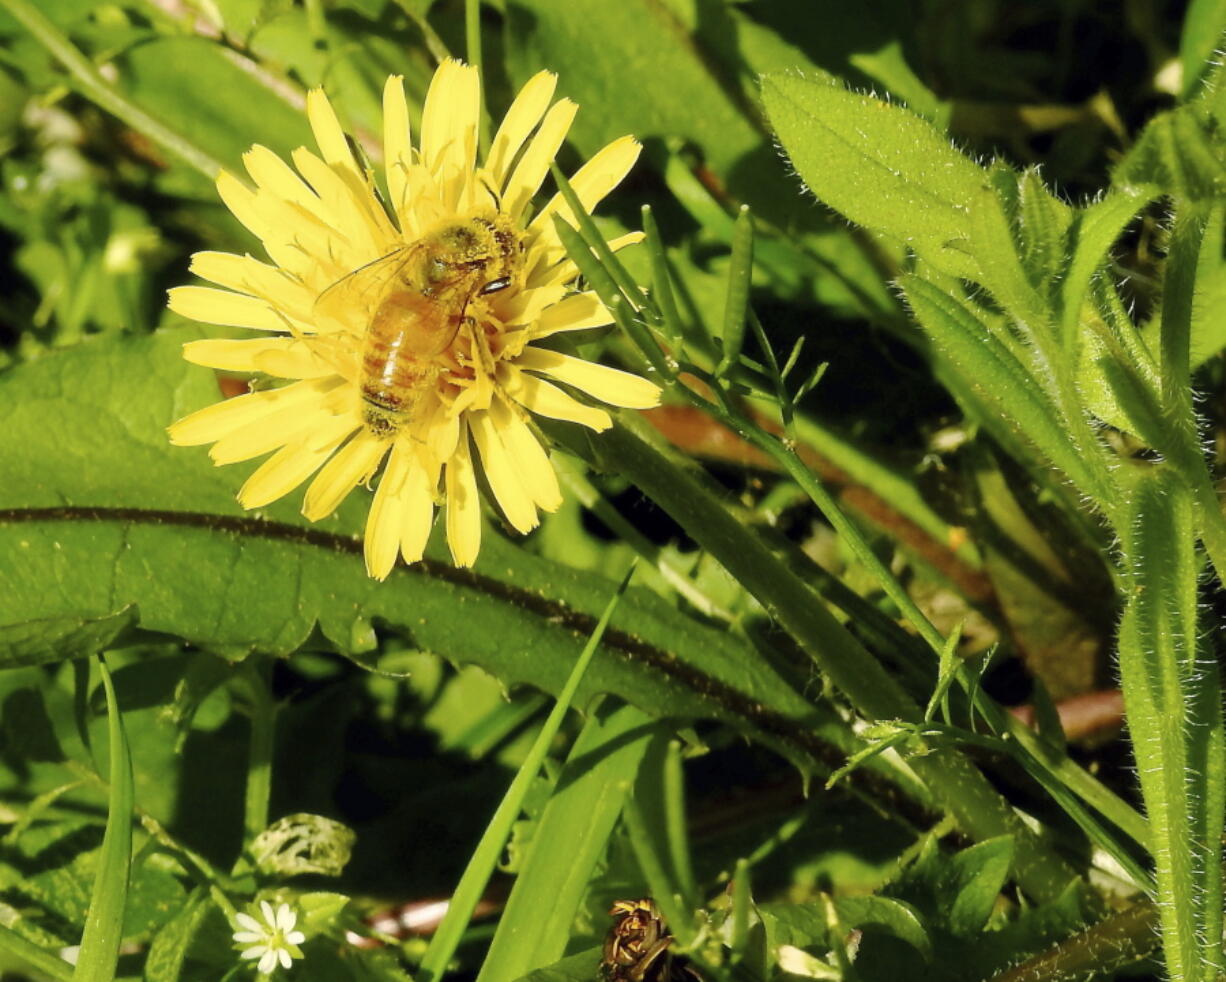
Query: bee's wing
[{"x": 352, "y": 300}]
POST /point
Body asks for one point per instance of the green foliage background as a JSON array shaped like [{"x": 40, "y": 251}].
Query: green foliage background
[{"x": 951, "y": 279}]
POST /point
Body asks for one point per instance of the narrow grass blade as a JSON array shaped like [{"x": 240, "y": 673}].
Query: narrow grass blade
[
  {"x": 661, "y": 278},
  {"x": 740, "y": 272},
  {"x": 569, "y": 841},
  {"x": 485, "y": 858},
  {"x": 104, "y": 922}
]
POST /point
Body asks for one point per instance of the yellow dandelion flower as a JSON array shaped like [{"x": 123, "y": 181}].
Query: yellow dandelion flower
[{"x": 405, "y": 330}]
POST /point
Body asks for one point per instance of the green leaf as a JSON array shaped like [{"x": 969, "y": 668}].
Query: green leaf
[
  {"x": 303, "y": 843},
  {"x": 569, "y": 840},
  {"x": 319, "y": 909},
  {"x": 104, "y": 922},
  {"x": 582, "y": 967},
  {"x": 223, "y": 106},
  {"x": 806, "y": 924},
  {"x": 1204, "y": 32},
  {"x": 99, "y": 513},
  {"x": 46, "y": 639},
  {"x": 169, "y": 947},
  {"x": 1042, "y": 222},
  {"x": 1183, "y": 151},
  {"x": 878, "y": 164},
  {"x": 970, "y": 883},
  {"x": 1002, "y": 384},
  {"x": 1094, "y": 232}
]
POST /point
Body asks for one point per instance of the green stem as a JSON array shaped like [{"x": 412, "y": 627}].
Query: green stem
[
  {"x": 95, "y": 88},
  {"x": 1174, "y": 717},
  {"x": 980, "y": 811},
  {"x": 1119, "y": 940}
]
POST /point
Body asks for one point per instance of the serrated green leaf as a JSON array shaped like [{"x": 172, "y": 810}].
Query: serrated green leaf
[
  {"x": 878, "y": 164},
  {"x": 970, "y": 883},
  {"x": 97, "y": 502}
]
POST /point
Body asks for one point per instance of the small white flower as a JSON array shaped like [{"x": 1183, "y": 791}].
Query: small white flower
[{"x": 272, "y": 941}]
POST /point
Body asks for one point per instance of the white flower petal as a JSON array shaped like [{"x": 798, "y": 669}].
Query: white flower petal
[{"x": 248, "y": 922}]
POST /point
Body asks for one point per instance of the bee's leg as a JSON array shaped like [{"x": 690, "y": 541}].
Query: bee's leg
[{"x": 479, "y": 346}]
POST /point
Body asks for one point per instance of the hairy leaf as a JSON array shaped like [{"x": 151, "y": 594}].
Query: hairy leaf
[{"x": 878, "y": 164}]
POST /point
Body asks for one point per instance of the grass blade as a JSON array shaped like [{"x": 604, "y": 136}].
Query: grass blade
[
  {"x": 485, "y": 857},
  {"x": 104, "y": 922},
  {"x": 740, "y": 272},
  {"x": 571, "y": 838}
]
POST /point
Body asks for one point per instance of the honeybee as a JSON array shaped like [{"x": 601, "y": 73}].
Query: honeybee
[
  {"x": 636, "y": 947},
  {"x": 418, "y": 297}
]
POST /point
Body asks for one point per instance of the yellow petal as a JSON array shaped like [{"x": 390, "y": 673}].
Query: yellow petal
[
  {"x": 282, "y": 472},
  {"x": 463, "y": 506},
  {"x": 295, "y": 239},
  {"x": 258, "y": 279},
  {"x": 527, "y": 305},
  {"x": 280, "y": 429},
  {"x": 350, "y": 209},
  {"x": 501, "y": 471},
  {"x": 382, "y": 539},
  {"x": 417, "y": 504},
  {"x": 577, "y": 312},
  {"x": 610, "y": 385},
  {"x": 274, "y": 175},
  {"x": 353, "y": 464},
  {"x": 591, "y": 183},
  {"x": 525, "y": 112},
  {"x": 209, "y": 306},
  {"x": 223, "y": 418},
  {"x": 545, "y": 399},
  {"x": 282, "y": 357},
  {"x": 531, "y": 461},
  {"x": 548, "y": 270},
  {"x": 397, "y": 148},
  {"x": 449, "y": 122},
  {"x": 328, "y": 132},
  {"x": 526, "y": 179}
]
